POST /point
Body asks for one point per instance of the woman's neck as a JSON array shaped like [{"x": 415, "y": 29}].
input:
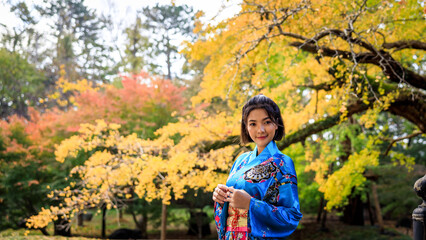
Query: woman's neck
[{"x": 259, "y": 151}]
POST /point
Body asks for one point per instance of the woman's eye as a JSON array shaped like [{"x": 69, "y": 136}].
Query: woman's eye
[
  {"x": 252, "y": 124},
  {"x": 268, "y": 122}
]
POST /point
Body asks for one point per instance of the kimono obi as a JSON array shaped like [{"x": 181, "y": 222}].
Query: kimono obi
[{"x": 237, "y": 220}]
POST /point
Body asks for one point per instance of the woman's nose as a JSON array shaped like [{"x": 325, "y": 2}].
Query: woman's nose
[{"x": 261, "y": 128}]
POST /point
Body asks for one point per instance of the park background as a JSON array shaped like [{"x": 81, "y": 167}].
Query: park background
[{"x": 134, "y": 122}]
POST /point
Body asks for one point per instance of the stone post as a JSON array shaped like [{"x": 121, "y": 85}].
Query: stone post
[{"x": 419, "y": 214}]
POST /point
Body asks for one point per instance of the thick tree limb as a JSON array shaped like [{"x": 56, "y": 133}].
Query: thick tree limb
[
  {"x": 341, "y": 34},
  {"x": 403, "y": 44},
  {"x": 409, "y": 106},
  {"x": 384, "y": 60},
  {"x": 317, "y": 127},
  {"x": 412, "y": 108},
  {"x": 308, "y": 130}
]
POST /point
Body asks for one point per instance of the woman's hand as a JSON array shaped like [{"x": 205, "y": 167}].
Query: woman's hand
[
  {"x": 220, "y": 193},
  {"x": 238, "y": 198}
]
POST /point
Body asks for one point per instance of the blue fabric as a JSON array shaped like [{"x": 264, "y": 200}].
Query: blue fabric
[{"x": 271, "y": 180}]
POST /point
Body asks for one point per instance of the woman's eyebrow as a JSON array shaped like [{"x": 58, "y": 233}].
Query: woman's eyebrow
[{"x": 252, "y": 120}]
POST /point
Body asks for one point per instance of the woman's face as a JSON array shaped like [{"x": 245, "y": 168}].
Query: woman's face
[{"x": 260, "y": 128}]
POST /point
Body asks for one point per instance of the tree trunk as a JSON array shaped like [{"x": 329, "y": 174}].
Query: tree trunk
[
  {"x": 370, "y": 212},
  {"x": 142, "y": 223},
  {"x": 353, "y": 213},
  {"x": 168, "y": 59},
  {"x": 163, "y": 221},
  {"x": 320, "y": 209},
  {"x": 30, "y": 208},
  {"x": 62, "y": 227},
  {"x": 103, "y": 221},
  {"x": 200, "y": 225},
  {"x": 377, "y": 206},
  {"x": 80, "y": 219},
  {"x": 323, "y": 221},
  {"x": 45, "y": 233}
]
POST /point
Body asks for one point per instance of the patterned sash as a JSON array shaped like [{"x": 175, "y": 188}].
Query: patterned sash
[{"x": 237, "y": 220}]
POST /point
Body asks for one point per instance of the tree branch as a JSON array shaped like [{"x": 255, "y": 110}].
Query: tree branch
[
  {"x": 341, "y": 34},
  {"x": 390, "y": 67},
  {"x": 301, "y": 134},
  {"x": 384, "y": 60},
  {"x": 318, "y": 126},
  {"x": 404, "y": 44},
  {"x": 321, "y": 86},
  {"x": 400, "y": 139},
  {"x": 411, "y": 107},
  {"x": 326, "y": 86}
]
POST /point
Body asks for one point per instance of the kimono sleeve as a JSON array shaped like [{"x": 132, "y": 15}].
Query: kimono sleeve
[
  {"x": 220, "y": 219},
  {"x": 221, "y": 211},
  {"x": 281, "y": 219}
]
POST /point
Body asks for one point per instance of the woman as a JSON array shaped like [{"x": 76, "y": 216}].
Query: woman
[{"x": 259, "y": 200}]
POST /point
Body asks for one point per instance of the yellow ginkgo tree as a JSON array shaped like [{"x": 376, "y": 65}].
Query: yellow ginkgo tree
[{"x": 327, "y": 64}]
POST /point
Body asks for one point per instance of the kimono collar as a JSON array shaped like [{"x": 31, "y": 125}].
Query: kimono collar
[{"x": 270, "y": 150}]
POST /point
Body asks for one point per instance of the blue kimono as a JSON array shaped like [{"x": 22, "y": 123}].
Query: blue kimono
[{"x": 270, "y": 179}]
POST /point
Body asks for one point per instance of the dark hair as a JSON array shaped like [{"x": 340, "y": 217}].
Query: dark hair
[{"x": 261, "y": 102}]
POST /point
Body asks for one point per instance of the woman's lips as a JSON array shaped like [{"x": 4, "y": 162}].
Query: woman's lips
[{"x": 261, "y": 137}]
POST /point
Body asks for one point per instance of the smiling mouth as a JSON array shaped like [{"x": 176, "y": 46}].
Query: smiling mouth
[{"x": 262, "y": 137}]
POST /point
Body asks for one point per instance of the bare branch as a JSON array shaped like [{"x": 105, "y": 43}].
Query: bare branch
[
  {"x": 326, "y": 86},
  {"x": 353, "y": 18},
  {"x": 343, "y": 35},
  {"x": 276, "y": 22},
  {"x": 400, "y": 139}
]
